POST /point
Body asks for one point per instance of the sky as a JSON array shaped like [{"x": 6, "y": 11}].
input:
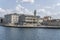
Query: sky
[{"x": 43, "y": 7}]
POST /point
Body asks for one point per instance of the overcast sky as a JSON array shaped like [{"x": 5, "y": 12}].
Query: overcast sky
[{"x": 43, "y": 7}]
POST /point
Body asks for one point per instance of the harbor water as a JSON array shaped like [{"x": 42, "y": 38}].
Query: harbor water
[{"x": 8, "y": 33}]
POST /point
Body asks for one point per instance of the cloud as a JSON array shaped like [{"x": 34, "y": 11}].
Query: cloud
[
  {"x": 31, "y": 1},
  {"x": 28, "y": 1},
  {"x": 17, "y": 1},
  {"x": 5, "y": 11},
  {"x": 48, "y": 12},
  {"x": 47, "y": 7},
  {"x": 41, "y": 10},
  {"x": 45, "y": 12},
  {"x": 55, "y": 5},
  {"x": 21, "y": 9},
  {"x": 58, "y": 4},
  {"x": 2, "y": 10},
  {"x": 52, "y": 6}
]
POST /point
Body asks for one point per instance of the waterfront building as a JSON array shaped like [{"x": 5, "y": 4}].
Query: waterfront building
[
  {"x": 22, "y": 19},
  {"x": 46, "y": 18},
  {"x": 40, "y": 20},
  {"x": 28, "y": 19},
  {"x": 53, "y": 22},
  {"x": 12, "y": 18}
]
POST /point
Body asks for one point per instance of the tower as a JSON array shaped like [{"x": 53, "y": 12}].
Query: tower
[{"x": 34, "y": 13}]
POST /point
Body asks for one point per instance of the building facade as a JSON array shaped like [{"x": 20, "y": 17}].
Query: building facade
[
  {"x": 12, "y": 18},
  {"x": 28, "y": 19},
  {"x": 22, "y": 19},
  {"x": 46, "y": 18}
]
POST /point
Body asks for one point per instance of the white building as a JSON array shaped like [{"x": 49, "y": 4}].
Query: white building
[
  {"x": 40, "y": 20},
  {"x": 28, "y": 19},
  {"x": 12, "y": 18},
  {"x": 46, "y": 18},
  {"x": 22, "y": 19}
]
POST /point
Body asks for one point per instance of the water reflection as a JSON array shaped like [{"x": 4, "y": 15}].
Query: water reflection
[
  {"x": 7, "y": 33},
  {"x": 20, "y": 34}
]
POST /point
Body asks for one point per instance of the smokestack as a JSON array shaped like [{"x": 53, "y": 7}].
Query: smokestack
[{"x": 34, "y": 13}]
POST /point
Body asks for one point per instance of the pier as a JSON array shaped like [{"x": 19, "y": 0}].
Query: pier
[{"x": 32, "y": 26}]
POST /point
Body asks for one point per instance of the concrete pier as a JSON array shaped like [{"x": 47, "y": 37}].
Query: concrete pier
[{"x": 32, "y": 26}]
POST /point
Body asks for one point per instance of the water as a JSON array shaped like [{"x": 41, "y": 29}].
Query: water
[{"x": 7, "y": 33}]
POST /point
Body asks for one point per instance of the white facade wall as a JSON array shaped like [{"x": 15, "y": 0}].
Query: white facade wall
[
  {"x": 14, "y": 19},
  {"x": 11, "y": 18},
  {"x": 40, "y": 20}
]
